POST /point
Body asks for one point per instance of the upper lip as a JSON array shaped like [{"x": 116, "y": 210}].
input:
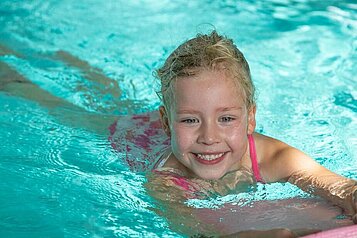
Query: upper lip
[{"x": 209, "y": 153}]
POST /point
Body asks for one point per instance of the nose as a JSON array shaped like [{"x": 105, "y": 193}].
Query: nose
[{"x": 208, "y": 134}]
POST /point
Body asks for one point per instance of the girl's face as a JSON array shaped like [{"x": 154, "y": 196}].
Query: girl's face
[{"x": 209, "y": 124}]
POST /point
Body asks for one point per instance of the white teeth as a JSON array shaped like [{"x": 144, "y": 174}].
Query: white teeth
[{"x": 209, "y": 157}]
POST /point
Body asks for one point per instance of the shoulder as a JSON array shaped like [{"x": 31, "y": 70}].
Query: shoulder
[
  {"x": 278, "y": 160},
  {"x": 268, "y": 147}
]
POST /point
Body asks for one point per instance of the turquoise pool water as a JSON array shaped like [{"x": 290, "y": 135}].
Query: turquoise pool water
[{"x": 90, "y": 61}]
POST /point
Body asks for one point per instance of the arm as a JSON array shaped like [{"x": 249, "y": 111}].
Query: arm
[
  {"x": 192, "y": 221},
  {"x": 274, "y": 233},
  {"x": 297, "y": 168},
  {"x": 170, "y": 199}
]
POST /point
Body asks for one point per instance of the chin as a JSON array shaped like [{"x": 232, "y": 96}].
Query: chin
[{"x": 210, "y": 176}]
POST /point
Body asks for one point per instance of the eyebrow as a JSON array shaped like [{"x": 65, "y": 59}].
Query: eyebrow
[
  {"x": 221, "y": 109},
  {"x": 187, "y": 111},
  {"x": 225, "y": 109}
]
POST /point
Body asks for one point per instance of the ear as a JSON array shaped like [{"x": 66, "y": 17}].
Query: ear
[
  {"x": 251, "y": 120},
  {"x": 165, "y": 120}
]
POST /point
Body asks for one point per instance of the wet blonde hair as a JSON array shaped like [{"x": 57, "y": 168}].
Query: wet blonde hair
[{"x": 206, "y": 51}]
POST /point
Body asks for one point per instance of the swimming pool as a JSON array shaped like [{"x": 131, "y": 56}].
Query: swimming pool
[{"x": 59, "y": 175}]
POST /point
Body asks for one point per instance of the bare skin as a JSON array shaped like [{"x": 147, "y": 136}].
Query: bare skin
[
  {"x": 274, "y": 233},
  {"x": 195, "y": 131},
  {"x": 17, "y": 85},
  {"x": 186, "y": 219},
  {"x": 201, "y": 131},
  {"x": 275, "y": 153}
]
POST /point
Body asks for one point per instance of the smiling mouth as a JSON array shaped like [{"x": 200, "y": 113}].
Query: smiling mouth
[{"x": 209, "y": 159}]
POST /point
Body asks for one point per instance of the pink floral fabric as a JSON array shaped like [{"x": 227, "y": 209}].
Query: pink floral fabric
[{"x": 140, "y": 139}]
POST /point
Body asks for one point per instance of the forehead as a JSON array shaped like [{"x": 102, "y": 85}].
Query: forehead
[{"x": 207, "y": 87}]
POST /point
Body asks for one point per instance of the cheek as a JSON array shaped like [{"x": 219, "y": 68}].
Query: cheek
[
  {"x": 237, "y": 134},
  {"x": 181, "y": 137},
  {"x": 240, "y": 127}
]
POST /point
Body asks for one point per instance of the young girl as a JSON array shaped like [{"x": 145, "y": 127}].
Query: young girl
[{"x": 208, "y": 113}]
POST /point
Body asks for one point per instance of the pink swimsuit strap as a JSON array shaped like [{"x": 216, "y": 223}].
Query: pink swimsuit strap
[{"x": 253, "y": 157}]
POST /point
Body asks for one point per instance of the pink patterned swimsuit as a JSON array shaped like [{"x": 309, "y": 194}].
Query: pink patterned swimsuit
[{"x": 141, "y": 141}]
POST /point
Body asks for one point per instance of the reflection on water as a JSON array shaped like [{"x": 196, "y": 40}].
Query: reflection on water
[{"x": 68, "y": 69}]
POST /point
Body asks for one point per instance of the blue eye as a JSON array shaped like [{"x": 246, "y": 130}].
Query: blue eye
[
  {"x": 227, "y": 119},
  {"x": 190, "y": 120}
]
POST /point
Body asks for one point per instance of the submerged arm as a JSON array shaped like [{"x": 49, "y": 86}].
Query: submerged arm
[
  {"x": 297, "y": 168},
  {"x": 171, "y": 192},
  {"x": 171, "y": 198},
  {"x": 328, "y": 185}
]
